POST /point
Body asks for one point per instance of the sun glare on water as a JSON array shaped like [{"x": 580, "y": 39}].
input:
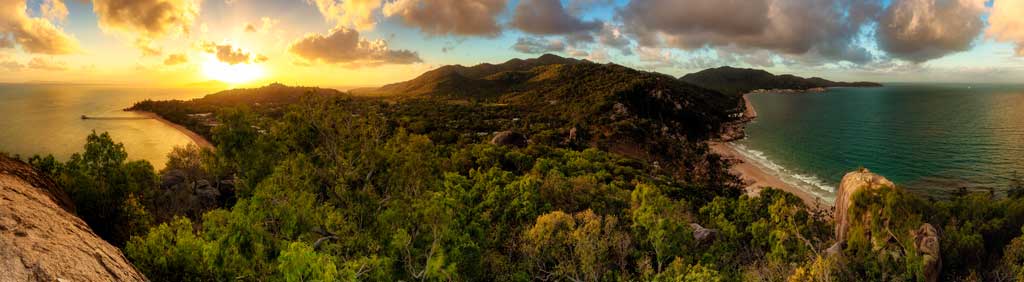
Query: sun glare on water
[{"x": 232, "y": 74}]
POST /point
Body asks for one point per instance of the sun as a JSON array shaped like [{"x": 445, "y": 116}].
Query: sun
[{"x": 232, "y": 74}]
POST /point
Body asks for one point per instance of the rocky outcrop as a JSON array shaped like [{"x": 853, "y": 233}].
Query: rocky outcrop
[
  {"x": 926, "y": 241},
  {"x": 510, "y": 138},
  {"x": 925, "y": 238},
  {"x": 703, "y": 235},
  {"x": 180, "y": 195},
  {"x": 41, "y": 240},
  {"x": 853, "y": 182}
]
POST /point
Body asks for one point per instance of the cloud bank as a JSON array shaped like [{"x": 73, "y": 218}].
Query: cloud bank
[
  {"x": 449, "y": 17},
  {"x": 345, "y": 46},
  {"x": 921, "y": 30},
  {"x": 35, "y": 35}
]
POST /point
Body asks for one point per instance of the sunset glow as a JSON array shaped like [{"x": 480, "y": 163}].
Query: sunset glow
[{"x": 232, "y": 74}]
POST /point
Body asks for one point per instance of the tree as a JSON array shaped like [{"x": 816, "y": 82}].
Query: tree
[
  {"x": 661, "y": 223},
  {"x": 106, "y": 188}
]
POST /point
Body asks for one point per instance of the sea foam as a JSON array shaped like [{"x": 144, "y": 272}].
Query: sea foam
[{"x": 807, "y": 183}]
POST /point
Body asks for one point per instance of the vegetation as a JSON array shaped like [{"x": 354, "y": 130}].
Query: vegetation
[
  {"x": 616, "y": 185},
  {"x": 735, "y": 81}
]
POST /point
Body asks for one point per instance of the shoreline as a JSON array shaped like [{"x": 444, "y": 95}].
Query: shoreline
[
  {"x": 197, "y": 139},
  {"x": 756, "y": 178}
]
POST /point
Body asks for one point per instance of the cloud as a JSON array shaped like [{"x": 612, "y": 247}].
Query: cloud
[
  {"x": 34, "y": 35},
  {"x": 612, "y": 36},
  {"x": 147, "y": 47},
  {"x": 921, "y": 30},
  {"x": 175, "y": 59},
  {"x": 229, "y": 54},
  {"x": 268, "y": 24},
  {"x": 532, "y": 45},
  {"x": 345, "y": 46},
  {"x": 54, "y": 10},
  {"x": 359, "y": 14},
  {"x": 6, "y": 41},
  {"x": 826, "y": 27},
  {"x": 548, "y": 17},
  {"x": 7, "y": 64},
  {"x": 147, "y": 18},
  {"x": 1006, "y": 23},
  {"x": 46, "y": 64},
  {"x": 577, "y": 7},
  {"x": 10, "y": 65},
  {"x": 443, "y": 17}
]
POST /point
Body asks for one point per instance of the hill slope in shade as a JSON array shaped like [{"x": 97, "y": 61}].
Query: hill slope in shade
[{"x": 737, "y": 81}]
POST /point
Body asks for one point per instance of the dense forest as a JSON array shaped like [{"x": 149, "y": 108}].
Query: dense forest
[{"x": 616, "y": 183}]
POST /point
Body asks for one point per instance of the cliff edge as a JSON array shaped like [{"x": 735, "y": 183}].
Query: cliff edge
[
  {"x": 42, "y": 240},
  {"x": 853, "y": 182}
]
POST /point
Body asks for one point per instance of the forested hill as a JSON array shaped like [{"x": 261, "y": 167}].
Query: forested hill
[
  {"x": 481, "y": 81},
  {"x": 737, "y": 81},
  {"x": 553, "y": 100}
]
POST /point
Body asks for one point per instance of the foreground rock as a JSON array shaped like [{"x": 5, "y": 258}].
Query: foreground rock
[
  {"x": 926, "y": 238},
  {"x": 852, "y": 183},
  {"x": 40, "y": 240}
]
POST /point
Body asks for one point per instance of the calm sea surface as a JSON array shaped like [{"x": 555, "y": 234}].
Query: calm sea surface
[
  {"x": 931, "y": 139},
  {"x": 46, "y": 119}
]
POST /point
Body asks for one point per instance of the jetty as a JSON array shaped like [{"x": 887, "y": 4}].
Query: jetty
[{"x": 84, "y": 117}]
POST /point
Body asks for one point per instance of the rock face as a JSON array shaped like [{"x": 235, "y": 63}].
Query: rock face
[
  {"x": 926, "y": 241},
  {"x": 852, "y": 183},
  {"x": 41, "y": 240},
  {"x": 510, "y": 138}
]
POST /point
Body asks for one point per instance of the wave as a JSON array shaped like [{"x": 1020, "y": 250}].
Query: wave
[{"x": 808, "y": 183}]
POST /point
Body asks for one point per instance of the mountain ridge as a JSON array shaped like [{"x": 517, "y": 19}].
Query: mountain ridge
[{"x": 736, "y": 81}]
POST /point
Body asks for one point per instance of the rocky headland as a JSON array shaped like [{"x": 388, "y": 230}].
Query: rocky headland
[{"x": 41, "y": 239}]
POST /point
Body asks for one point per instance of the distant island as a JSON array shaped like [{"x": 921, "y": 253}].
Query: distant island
[{"x": 737, "y": 81}]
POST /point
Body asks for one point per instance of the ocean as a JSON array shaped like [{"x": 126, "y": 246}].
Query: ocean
[
  {"x": 932, "y": 139},
  {"x": 46, "y": 119}
]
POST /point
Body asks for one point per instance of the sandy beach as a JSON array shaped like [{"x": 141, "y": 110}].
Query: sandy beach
[
  {"x": 196, "y": 138},
  {"x": 757, "y": 178}
]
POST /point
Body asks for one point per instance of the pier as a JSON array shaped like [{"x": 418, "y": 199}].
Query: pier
[{"x": 85, "y": 117}]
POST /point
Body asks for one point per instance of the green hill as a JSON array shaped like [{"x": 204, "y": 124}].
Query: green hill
[{"x": 736, "y": 81}]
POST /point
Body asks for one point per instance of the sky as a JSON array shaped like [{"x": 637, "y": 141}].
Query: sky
[{"x": 358, "y": 43}]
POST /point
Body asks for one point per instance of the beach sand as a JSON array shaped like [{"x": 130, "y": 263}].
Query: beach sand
[
  {"x": 196, "y": 138},
  {"x": 757, "y": 178}
]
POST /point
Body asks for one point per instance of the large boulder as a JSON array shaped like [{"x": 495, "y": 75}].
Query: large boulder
[
  {"x": 42, "y": 240},
  {"x": 926, "y": 241},
  {"x": 853, "y": 182},
  {"x": 510, "y": 138}
]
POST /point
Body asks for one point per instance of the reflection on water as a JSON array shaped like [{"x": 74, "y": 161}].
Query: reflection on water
[
  {"x": 929, "y": 138},
  {"x": 46, "y": 119}
]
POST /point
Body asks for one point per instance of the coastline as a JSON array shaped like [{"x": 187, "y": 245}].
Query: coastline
[
  {"x": 195, "y": 137},
  {"x": 757, "y": 178}
]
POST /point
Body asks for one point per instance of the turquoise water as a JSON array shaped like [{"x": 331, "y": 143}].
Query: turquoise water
[
  {"x": 46, "y": 119},
  {"x": 931, "y": 139}
]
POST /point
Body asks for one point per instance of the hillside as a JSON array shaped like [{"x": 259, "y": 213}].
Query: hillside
[
  {"x": 736, "y": 81},
  {"x": 480, "y": 81},
  {"x": 42, "y": 240}
]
